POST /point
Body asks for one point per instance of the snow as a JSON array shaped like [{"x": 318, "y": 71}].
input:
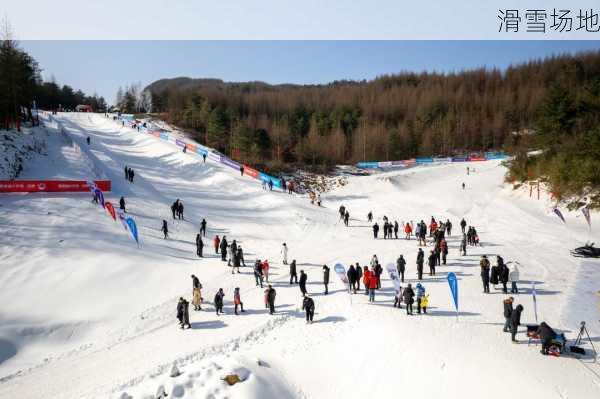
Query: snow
[{"x": 85, "y": 313}]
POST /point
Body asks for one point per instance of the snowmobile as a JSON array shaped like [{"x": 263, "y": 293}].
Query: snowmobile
[{"x": 587, "y": 251}]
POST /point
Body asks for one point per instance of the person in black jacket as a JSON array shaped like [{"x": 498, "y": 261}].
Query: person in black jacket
[
  {"x": 401, "y": 267},
  {"x": 359, "y": 273},
  {"x": 420, "y": 260},
  {"x": 183, "y": 313},
  {"x": 508, "y": 309},
  {"x": 223, "y": 247},
  {"x": 463, "y": 224},
  {"x": 408, "y": 295},
  {"x": 431, "y": 261},
  {"x": 258, "y": 274},
  {"x": 308, "y": 305},
  {"x": 302, "y": 283},
  {"x": 484, "y": 263},
  {"x": 326, "y": 278},
  {"x": 515, "y": 322},
  {"x": 271, "y": 298},
  {"x": 122, "y": 204},
  {"x": 203, "y": 227},
  {"x": 219, "y": 301},
  {"x": 351, "y": 273},
  {"x": 165, "y": 229},
  {"x": 503, "y": 271},
  {"x": 375, "y": 230},
  {"x": 293, "y": 274},
  {"x": 199, "y": 245},
  {"x": 546, "y": 334}
]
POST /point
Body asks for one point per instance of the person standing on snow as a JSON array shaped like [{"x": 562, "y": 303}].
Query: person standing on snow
[
  {"x": 408, "y": 295},
  {"x": 302, "y": 283},
  {"x": 515, "y": 322},
  {"x": 372, "y": 285},
  {"x": 203, "y": 228},
  {"x": 420, "y": 294},
  {"x": 420, "y": 261},
  {"x": 508, "y": 309},
  {"x": 237, "y": 300},
  {"x": 484, "y": 263},
  {"x": 396, "y": 228},
  {"x": 495, "y": 276},
  {"x": 284, "y": 253},
  {"x": 199, "y": 245},
  {"x": 513, "y": 277},
  {"x": 375, "y": 230},
  {"x": 271, "y": 299},
  {"x": 230, "y": 251},
  {"x": 444, "y": 250},
  {"x": 293, "y": 274},
  {"x": 180, "y": 210},
  {"x": 431, "y": 260},
  {"x": 366, "y": 278},
  {"x": 326, "y": 278},
  {"x": 308, "y": 305},
  {"x": 407, "y": 231},
  {"x": 370, "y": 217},
  {"x": 165, "y": 229},
  {"x": 351, "y": 274},
  {"x": 463, "y": 245},
  {"x": 503, "y": 273},
  {"x": 216, "y": 243},
  {"x": 122, "y": 204},
  {"x": 196, "y": 293},
  {"x": 258, "y": 276},
  {"x": 174, "y": 207},
  {"x": 236, "y": 261},
  {"x": 223, "y": 247},
  {"x": 342, "y": 211},
  {"x": 346, "y": 218},
  {"x": 240, "y": 257},
  {"x": 359, "y": 273},
  {"x": 265, "y": 270},
  {"x": 448, "y": 227},
  {"x": 463, "y": 225},
  {"x": 401, "y": 267},
  {"x": 270, "y": 185},
  {"x": 219, "y": 301},
  {"x": 385, "y": 230}
]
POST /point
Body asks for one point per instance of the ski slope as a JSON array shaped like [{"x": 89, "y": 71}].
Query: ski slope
[{"x": 86, "y": 314}]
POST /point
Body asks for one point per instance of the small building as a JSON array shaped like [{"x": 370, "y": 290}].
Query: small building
[{"x": 84, "y": 108}]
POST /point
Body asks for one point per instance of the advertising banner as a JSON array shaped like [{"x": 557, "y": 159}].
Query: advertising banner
[
  {"x": 276, "y": 182},
  {"x": 180, "y": 143},
  {"x": 201, "y": 150},
  {"x": 385, "y": 164},
  {"x": 476, "y": 158},
  {"x": 424, "y": 160},
  {"x": 214, "y": 157},
  {"x": 442, "y": 160},
  {"x": 459, "y": 159},
  {"x": 50, "y": 186},
  {"x": 230, "y": 163},
  {"x": 164, "y": 136},
  {"x": 191, "y": 147},
  {"x": 251, "y": 172},
  {"x": 411, "y": 161},
  {"x": 367, "y": 165}
]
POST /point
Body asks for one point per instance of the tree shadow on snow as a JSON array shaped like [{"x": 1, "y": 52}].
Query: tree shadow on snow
[
  {"x": 331, "y": 319},
  {"x": 210, "y": 325}
]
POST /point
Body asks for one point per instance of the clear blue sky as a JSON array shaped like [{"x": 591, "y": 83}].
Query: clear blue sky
[{"x": 103, "y": 66}]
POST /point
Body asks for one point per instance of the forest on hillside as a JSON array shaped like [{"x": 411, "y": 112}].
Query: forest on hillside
[{"x": 392, "y": 117}]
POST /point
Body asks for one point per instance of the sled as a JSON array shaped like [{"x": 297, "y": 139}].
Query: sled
[{"x": 587, "y": 251}]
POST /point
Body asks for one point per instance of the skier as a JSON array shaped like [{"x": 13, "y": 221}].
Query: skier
[
  {"x": 216, "y": 243},
  {"x": 372, "y": 285},
  {"x": 302, "y": 282},
  {"x": 219, "y": 301},
  {"x": 122, "y": 204},
  {"x": 271, "y": 299},
  {"x": 420, "y": 294},
  {"x": 203, "y": 228},
  {"x": 401, "y": 267},
  {"x": 196, "y": 293},
  {"x": 237, "y": 300},
  {"x": 431, "y": 261},
  {"x": 463, "y": 224},
  {"x": 284, "y": 253},
  {"x": 165, "y": 229},
  {"x": 223, "y": 247},
  {"x": 408, "y": 295},
  {"x": 199, "y": 245},
  {"x": 396, "y": 227},
  {"x": 420, "y": 261},
  {"x": 515, "y": 322},
  {"x": 258, "y": 276},
  {"x": 375, "y": 230},
  {"x": 326, "y": 278},
  {"x": 513, "y": 277},
  {"x": 370, "y": 217},
  {"x": 359, "y": 273},
  {"x": 293, "y": 274},
  {"x": 351, "y": 274},
  {"x": 407, "y": 231},
  {"x": 508, "y": 308},
  {"x": 308, "y": 305},
  {"x": 346, "y": 218},
  {"x": 265, "y": 270},
  {"x": 484, "y": 263}
]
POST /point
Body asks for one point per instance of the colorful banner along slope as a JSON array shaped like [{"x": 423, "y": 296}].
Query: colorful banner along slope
[{"x": 51, "y": 186}]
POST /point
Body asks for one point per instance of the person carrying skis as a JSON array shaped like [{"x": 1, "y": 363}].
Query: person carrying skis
[
  {"x": 293, "y": 274},
  {"x": 265, "y": 270},
  {"x": 370, "y": 217},
  {"x": 271, "y": 299},
  {"x": 351, "y": 274},
  {"x": 308, "y": 305},
  {"x": 216, "y": 243},
  {"x": 515, "y": 322},
  {"x": 326, "y": 278},
  {"x": 420, "y": 261},
  {"x": 420, "y": 294},
  {"x": 199, "y": 245},
  {"x": 258, "y": 276},
  {"x": 219, "y": 301},
  {"x": 237, "y": 301},
  {"x": 375, "y": 230},
  {"x": 431, "y": 261},
  {"x": 484, "y": 263},
  {"x": 196, "y": 293},
  {"x": 302, "y": 283},
  {"x": 407, "y": 231},
  {"x": 122, "y": 204},
  {"x": 401, "y": 267},
  {"x": 223, "y": 247},
  {"x": 463, "y": 224},
  {"x": 284, "y": 253},
  {"x": 203, "y": 227},
  {"x": 165, "y": 229},
  {"x": 408, "y": 295}
]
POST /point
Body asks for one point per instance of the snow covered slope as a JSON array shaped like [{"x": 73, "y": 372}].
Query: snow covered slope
[{"x": 85, "y": 313}]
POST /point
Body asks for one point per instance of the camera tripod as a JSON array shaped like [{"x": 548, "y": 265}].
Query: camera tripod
[{"x": 580, "y": 337}]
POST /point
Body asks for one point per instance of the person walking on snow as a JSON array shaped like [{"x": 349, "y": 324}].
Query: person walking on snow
[
  {"x": 199, "y": 245},
  {"x": 346, "y": 218},
  {"x": 420, "y": 261},
  {"x": 463, "y": 225},
  {"x": 183, "y": 314},
  {"x": 503, "y": 270},
  {"x": 165, "y": 229},
  {"x": 240, "y": 257},
  {"x": 448, "y": 227},
  {"x": 219, "y": 301},
  {"x": 408, "y": 295},
  {"x": 444, "y": 250},
  {"x": 302, "y": 283},
  {"x": 237, "y": 300},
  {"x": 513, "y": 277},
  {"x": 284, "y": 253},
  {"x": 401, "y": 267},
  {"x": 293, "y": 274},
  {"x": 223, "y": 247},
  {"x": 230, "y": 252},
  {"x": 271, "y": 299},
  {"x": 407, "y": 231},
  {"x": 484, "y": 263},
  {"x": 370, "y": 217},
  {"x": 431, "y": 263},
  {"x": 258, "y": 275},
  {"x": 265, "y": 270},
  {"x": 351, "y": 274},
  {"x": 515, "y": 322},
  {"x": 396, "y": 228},
  {"x": 420, "y": 294},
  {"x": 366, "y": 278},
  {"x": 122, "y": 204},
  {"x": 359, "y": 273},
  {"x": 180, "y": 211},
  {"x": 196, "y": 293},
  {"x": 375, "y": 230},
  {"x": 203, "y": 228},
  {"x": 326, "y": 278},
  {"x": 216, "y": 243},
  {"x": 308, "y": 305},
  {"x": 372, "y": 284},
  {"x": 508, "y": 309}
]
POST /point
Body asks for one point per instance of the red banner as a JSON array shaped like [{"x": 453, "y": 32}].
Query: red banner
[
  {"x": 250, "y": 172},
  {"x": 476, "y": 159},
  {"x": 50, "y": 186}
]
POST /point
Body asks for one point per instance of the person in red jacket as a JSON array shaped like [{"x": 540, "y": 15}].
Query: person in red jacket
[
  {"x": 366, "y": 278},
  {"x": 432, "y": 227},
  {"x": 217, "y": 242},
  {"x": 408, "y": 231},
  {"x": 373, "y": 284}
]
